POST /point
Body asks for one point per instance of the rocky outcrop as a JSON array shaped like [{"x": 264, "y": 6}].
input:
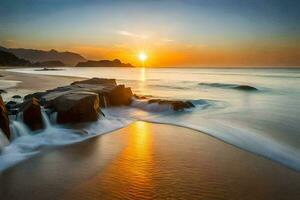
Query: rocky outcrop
[
  {"x": 77, "y": 107},
  {"x": 4, "y": 121},
  {"x": 103, "y": 63},
  {"x": 120, "y": 95},
  {"x": 97, "y": 81},
  {"x": 82, "y": 101},
  {"x": 246, "y": 88},
  {"x": 36, "y": 95},
  {"x": 32, "y": 115},
  {"x": 176, "y": 105}
]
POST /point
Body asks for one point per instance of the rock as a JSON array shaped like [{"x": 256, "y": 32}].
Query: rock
[
  {"x": 190, "y": 104},
  {"x": 11, "y": 104},
  {"x": 2, "y": 91},
  {"x": 32, "y": 115},
  {"x": 75, "y": 107},
  {"x": 104, "y": 63},
  {"x": 12, "y": 107},
  {"x": 139, "y": 96},
  {"x": 4, "y": 121},
  {"x": 36, "y": 95},
  {"x": 120, "y": 96},
  {"x": 16, "y": 97},
  {"x": 246, "y": 88},
  {"x": 176, "y": 105},
  {"x": 97, "y": 81}
]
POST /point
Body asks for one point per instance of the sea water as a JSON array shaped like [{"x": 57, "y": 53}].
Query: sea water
[{"x": 263, "y": 119}]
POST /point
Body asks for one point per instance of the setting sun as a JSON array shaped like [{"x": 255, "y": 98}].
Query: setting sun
[{"x": 143, "y": 56}]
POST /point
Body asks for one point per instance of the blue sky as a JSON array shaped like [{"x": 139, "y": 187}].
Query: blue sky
[{"x": 70, "y": 24}]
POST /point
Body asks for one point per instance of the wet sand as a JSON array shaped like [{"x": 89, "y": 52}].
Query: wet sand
[{"x": 149, "y": 161}]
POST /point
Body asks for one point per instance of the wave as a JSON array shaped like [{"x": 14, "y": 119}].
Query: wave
[
  {"x": 169, "y": 86},
  {"x": 231, "y": 86},
  {"x": 28, "y": 145}
]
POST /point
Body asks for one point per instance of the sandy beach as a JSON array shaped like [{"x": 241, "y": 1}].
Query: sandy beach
[{"x": 150, "y": 161}]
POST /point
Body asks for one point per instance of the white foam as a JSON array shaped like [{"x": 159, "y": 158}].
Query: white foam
[{"x": 24, "y": 145}]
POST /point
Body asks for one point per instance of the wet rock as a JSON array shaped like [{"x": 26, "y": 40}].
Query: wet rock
[
  {"x": 4, "y": 121},
  {"x": 176, "y": 105},
  {"x": 36, "y": 95},
  {"x": 16, "y": 97},
  {"x": 32, "y": 115},
  {"x": 139, "y": 96},
  {"x": 11, "y": 104},
  {"x": 77, "y": 106},
  {"x": 120, "y": 95},
  {"x": 246, "y": 88}
]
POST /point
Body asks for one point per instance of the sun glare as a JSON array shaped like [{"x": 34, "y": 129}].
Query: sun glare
[{"x": 143, "y": 56}]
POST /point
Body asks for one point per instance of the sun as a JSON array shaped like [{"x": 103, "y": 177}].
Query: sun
[{"x": 143, "y": 56}]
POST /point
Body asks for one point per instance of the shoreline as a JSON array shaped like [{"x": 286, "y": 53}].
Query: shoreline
[
  {"x": 50, "y": 81},
  {"x": 149, "y": 160}
]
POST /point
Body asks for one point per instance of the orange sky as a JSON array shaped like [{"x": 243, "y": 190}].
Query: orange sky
[{"x": 193, "y": 55}]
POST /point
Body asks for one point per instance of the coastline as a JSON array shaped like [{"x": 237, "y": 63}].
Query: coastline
[
  {"x": 149, "y": 161},
  {"x": 30, "y": 83},
  {"x": 148, "y": 158}
]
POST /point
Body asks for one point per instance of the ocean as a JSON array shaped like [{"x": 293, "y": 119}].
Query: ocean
[{"x": 254, "y": 109}]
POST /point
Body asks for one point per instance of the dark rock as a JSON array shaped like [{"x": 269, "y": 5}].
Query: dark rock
[
  {"x": 246, "y": 88},
  {"x": 2, "y": 91},
  {"x": 120, "y": 96},
  {"x": 75, "y": 107},
  {"x": 103, "y": 63},
  {"x": 176, "y": 105},
  {"x": 4, "y": 121},
  {"x": 139, "y": 96},
  {"x": 190, "y": 104},
  {"x": 11, "y": 104},
  {"x": 14, "y": 111},
  {"x": 97, "y": 81},
  {"x": 36, "y": 95},
  {"x": 32, "y": 115},
  {"x": 16, "y": 97}
]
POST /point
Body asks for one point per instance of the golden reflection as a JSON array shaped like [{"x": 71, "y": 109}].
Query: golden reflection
[
  {"x": 142, "y": 78},
  {"x": 134, "y": 167},
  {"x": 129, "y": 175},
  {"x": 142, "y": 74}
]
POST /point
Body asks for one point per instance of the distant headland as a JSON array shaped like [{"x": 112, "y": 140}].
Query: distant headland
[
  {"x": 52, "y": 58},
  {"x": 103, "y": 63}
]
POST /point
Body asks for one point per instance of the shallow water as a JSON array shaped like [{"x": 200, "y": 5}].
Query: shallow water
[
  {"x": 265, "y": 121},
  {"x": 149, "y": 161}
]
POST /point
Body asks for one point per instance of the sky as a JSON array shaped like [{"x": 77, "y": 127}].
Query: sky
[{"x": 187, "y": 33}]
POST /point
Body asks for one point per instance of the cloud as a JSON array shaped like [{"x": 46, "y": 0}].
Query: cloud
[
  {"x": 130, "y": 34},
  {"x": 167, "y": 40}
]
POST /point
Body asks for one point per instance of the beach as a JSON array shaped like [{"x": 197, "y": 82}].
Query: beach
[
  {"x": 134, "y": 159},
  {"x": 149, "y": 161}
]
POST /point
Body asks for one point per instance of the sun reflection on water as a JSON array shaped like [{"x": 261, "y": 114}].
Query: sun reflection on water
[
  {"x": 129, "y": 175},
  {"x": 142, "y": 74}
]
